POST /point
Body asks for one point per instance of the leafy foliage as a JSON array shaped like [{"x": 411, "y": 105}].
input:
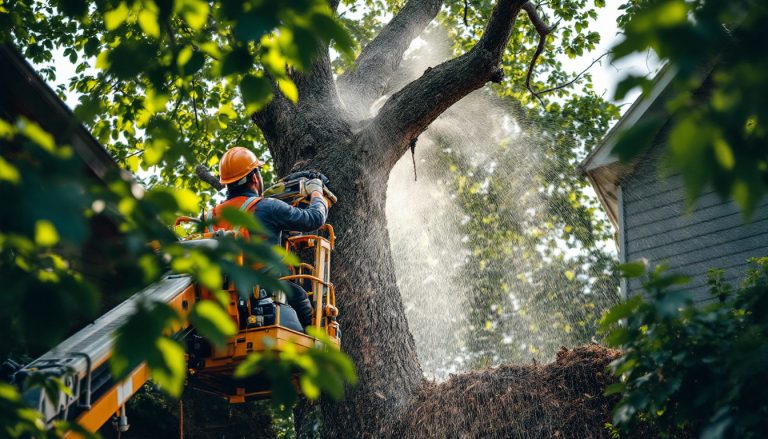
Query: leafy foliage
[
  {"x": 174, "y": 81},
  {"x": 519, "y": 252},
  {"x": 573, "y": 37},
  {"x": 692, "y": 368},
  {"x": 168, "y": 85},
  {"x": 322, "y": 369},
  {"x": 51, "y": 260},
  {"x": 173, "y": 85},
  {"x": 717, "y": 49},
  {"x": 153, "y": 413},
  {"x": 17, "y": 419}
]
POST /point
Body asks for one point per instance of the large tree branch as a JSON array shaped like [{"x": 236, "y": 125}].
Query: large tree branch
[
  {"x": 316, "y": 85},
  {"x": 410, "y": 111},
  {"x": 274, "y": 120},
  {"x": 367, "y": 80}
]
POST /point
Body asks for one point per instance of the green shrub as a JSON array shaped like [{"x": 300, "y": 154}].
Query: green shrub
[{"x": 692, "y": 368}]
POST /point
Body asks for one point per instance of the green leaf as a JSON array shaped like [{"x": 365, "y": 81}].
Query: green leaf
[
  {"x": 45, "y": 233},
  {"x": 212, "y": 322},
  {"x": 8, "y": 172},
  {"x": 136, "y": 340},
  {"x": 91, "y": 47},
  {"x": 195, "y": 12},
  {"x": 89, "y": 108},
  {"x": 724, "y": 154},
  {"x": 154, "y": 151},
  {"x": 331, "y": 29},
  {"x": 130, "y": 59},
  {"x": 114, "y": 18},
  {"x": 148, "y": 23},
  {"x": 614, "y": 389},
  {"x": 623, "y": 365},
  {"x": 621, "y": 311},
  {"x": 289, "y": 89},
  {"x": 637, "y": 139},
  {"x": 632, "y": 269},
  {"x": 617, "y": 337},
  {"x": 238, "y": 218},
  {"x": 38, "y": 135},
  {"x": 237, "y": 61},
  {"x": 187, "y": 200},
  {"x": 309, "y": 388},
  {"x": 154, "y": 102},
  {"x": 250, "y": 366},
  {"x": 9, "y": 392},
  {"x": 190, "y": 61},
  {"x": 628, "y": 83},
  {"x": 256, "y": 92},
  {"x": 73, "y": 8},
  {"x": 255, "y": 24},
  {"x": 170, "y": 371},
  {"x": 7, "y": 131}
]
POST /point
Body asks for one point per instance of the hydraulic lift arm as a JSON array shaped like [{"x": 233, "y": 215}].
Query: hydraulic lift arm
[{"x": 81, "y": 362}]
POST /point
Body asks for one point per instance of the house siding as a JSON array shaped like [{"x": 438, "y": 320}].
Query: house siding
[{"x": 712, "y": 234}]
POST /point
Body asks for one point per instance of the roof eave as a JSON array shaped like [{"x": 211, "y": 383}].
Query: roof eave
[{"x": 603, "y": 155}]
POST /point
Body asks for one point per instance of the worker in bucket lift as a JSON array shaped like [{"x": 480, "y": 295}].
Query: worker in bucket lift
[{"x": 239, "y": 171}]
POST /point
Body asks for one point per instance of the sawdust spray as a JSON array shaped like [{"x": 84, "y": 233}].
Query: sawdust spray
[{"x": 424, "y": 220}]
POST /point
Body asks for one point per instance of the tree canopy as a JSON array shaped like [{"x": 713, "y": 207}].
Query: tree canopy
[{"x": 167, "y": 85}]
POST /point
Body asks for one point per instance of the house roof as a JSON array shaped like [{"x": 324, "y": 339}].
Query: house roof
[
  {"x": 24, "y": 93},
  {"x": 602, "y": 168}
]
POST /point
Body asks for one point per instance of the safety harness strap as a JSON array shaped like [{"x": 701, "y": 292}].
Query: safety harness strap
[
  {"x": 248, "y": 205},
  {"x": 209, "y": 220},
  {"x": 249, "y": 202}
]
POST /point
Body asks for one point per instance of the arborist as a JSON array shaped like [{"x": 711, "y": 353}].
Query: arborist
[{"x": 239, "y": 171}]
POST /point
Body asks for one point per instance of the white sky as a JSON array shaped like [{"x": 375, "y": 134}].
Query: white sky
[{"x": 606, "y": 75}]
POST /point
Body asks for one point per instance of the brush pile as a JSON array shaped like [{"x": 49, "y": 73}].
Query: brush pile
[{"x": 563, "y": 399}]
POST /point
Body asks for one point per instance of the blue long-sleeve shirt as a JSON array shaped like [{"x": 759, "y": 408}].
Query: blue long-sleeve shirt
[{"x": 276, "y": 215}]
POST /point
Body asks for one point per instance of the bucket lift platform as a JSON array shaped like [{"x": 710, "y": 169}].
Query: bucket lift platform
[{"x": 81, "y": 361}]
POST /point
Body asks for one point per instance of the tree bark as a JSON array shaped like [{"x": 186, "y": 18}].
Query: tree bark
[{"x": 357, "y": 154}]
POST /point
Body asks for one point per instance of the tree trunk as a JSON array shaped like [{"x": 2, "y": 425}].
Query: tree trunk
[
  {"x": 374, "y": 328},
  {"x": 357, "y": 151}
]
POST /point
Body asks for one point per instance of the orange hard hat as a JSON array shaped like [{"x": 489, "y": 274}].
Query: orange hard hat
[{"x": 236, "y": 163}]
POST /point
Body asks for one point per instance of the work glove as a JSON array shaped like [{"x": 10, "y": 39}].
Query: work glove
[{"x": 313, "y": 185}]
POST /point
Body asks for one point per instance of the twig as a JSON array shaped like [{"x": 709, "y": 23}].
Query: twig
[
  {"x": 171, "y": 34},
  {"x": 239, "y": 136},
  {"x": 137, "y": 152},
  {"x": 413, "y": 157},
  {"x": 178, "y": 102},
  {"x": 194, "y": 103},
  {"x": 543, "y": 30},
  {"x": 466, "y": 6},
  {"x": 575, "y": 78}
]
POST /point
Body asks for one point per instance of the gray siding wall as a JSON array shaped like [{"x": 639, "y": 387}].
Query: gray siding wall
[{"x": 712, "y": 234}]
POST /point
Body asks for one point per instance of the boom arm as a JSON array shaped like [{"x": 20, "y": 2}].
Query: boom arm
[{"x": 81, "y": 362}]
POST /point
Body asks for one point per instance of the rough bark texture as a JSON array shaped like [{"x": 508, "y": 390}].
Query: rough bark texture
[{"x": 357, "y": 151}]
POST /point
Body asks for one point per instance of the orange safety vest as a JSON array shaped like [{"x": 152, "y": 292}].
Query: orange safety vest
[{"x": 245, "y": 204}]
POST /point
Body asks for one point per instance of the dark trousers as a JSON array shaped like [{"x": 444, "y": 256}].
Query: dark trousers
[{"x": 299, "y": 301}]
